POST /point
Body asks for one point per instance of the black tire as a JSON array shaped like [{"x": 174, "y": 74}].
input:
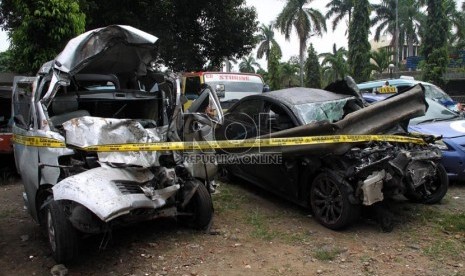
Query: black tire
[
  {"x": 433, "y": 192},
  {"x": 330, "y": 203},
  {"x": 61, "y": 235},
  {"x": 201, "y": 208}
]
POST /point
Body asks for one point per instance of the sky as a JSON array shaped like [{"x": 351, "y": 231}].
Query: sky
[{"x": 267, "y": 11}]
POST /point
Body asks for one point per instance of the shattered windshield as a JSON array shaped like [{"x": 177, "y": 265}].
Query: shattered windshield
[{"x": 331, "y": 111}]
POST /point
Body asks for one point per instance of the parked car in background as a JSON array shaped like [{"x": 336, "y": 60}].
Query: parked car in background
[
  {"x": 440, "y": 121},
  {"x": 377, "y": 90},
  {"x": 99, "y": 91},
  {"x": 230, "y": 87},
  {"x": 335, "y": 179},
  {"x": 6, "y": 146}
]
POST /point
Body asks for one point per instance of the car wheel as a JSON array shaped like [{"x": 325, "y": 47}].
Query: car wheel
[
  {"x": 62, "y": 236},
  {"x": 433, "y": 191},
  {"x": 200, "y": 207},
  {"x": 329, "y": 200}
]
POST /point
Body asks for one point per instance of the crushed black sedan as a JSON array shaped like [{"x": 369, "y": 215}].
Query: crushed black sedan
[{"x": 335, "y": 179}]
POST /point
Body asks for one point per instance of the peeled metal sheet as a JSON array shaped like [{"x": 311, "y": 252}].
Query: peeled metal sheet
[{"x": 91, "y": 131}]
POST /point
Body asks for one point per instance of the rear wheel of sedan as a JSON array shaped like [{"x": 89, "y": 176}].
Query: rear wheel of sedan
[
  {"x": 62, "y": 236},
  {"x": 200, "y": 207},
  {"x": 329, "y": 200},
  {"x": 433, "y": 190}
]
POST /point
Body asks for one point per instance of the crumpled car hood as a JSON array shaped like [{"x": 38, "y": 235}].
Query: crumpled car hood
[{"x": 91, "y": 131}]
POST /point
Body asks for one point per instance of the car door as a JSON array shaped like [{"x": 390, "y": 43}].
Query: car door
[
  {"x": 240, "y": 123},
  {"x": 25, "y": 125},
  {"x": 278, "y": 172}
]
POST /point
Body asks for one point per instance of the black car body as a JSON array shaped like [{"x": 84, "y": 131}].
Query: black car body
[{"x": 335, "y": 179}]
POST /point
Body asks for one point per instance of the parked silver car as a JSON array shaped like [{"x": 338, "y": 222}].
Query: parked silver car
[{"x": 100, "y": 91}]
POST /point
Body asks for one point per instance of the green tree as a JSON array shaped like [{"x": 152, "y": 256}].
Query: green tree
[
  {"x": 191, "y": 33},
  {"x": 312, "y": 69},
  {"x": 339, "y": 9},
  {"x": 334, "y": 64},
  {"x": 274, "y": 76},
  {"x": 266, "y": 41},
  {"x": 434, "y": 46},
  {"x": 381, "y": 60},
  {"x": 248, "y": 64},
  {"x": 264, "y": 75},
  {"x": 6, "y": 61},
  {"x": 306, "y": 21},
  {"x": 359, "y": 47},
  {"x": 288, "y": 73},
  {"x": 410, "y": 18},
  {"x": 42, "y": 31}
]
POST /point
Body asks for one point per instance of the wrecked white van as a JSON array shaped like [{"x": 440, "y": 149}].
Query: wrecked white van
[{"x": 100, "y": 91}]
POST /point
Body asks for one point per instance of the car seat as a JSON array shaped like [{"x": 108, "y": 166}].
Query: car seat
[{"x": 66, "y": 108}]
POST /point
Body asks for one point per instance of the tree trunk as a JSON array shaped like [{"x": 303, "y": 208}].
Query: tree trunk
[
  {"x": 410, "y": 42},
  {"x": 301, "y": 57}
]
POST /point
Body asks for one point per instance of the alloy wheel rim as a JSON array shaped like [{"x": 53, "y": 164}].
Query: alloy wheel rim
[{"x": 327, "y": 200}]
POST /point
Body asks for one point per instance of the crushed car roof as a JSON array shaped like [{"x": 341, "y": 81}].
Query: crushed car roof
[
  {"x": 112, "y": 42},
  {"x": 302, "y": 95}
]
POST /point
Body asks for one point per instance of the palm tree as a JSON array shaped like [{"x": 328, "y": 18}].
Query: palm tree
[
  {"x": 409, "y": 19},
  {"x": 335, "y": 64},
  {"x": 247, "y": 64},
  {"x": 340, "y": 9},
  {"x": 266, "y": 41},
  {"x": 306, "y": 21},
  {"x": 381, "y": 60}
]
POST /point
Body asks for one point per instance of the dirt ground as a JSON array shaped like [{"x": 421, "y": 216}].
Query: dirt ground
[{"x": 253, "y": 233}]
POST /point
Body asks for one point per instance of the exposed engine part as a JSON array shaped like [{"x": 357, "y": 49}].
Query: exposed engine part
[
  {"x": 372, "y": 188},
  {"x": 164, "y": 177},
  {"x": 420, "y": 172}
]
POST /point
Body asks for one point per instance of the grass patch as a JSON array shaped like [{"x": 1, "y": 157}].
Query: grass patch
[
  {"x": 452, "y": 222},
  {"x": 444, "y": 249},
  {"x": 326, "y": 254},
  {"x": 260, "y": 226},
  {"x": 228, "y": 198},
  {"x": 7, "y": 213}
]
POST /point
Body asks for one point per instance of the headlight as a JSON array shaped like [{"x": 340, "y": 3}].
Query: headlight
[{"x": 441, "y": 145}]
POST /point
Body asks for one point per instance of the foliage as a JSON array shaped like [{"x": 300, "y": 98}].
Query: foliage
[
  {"x": 274, "y": 76},
  {"x": 410, "y": 18},
  {"x": 339, "y": 9},
  {"x": 264, "y": 75},
  {"x": 266, "y": 41},
  {"x": 434, "y": 46},
  {"x": 288, "y": 73},
  {"x": 248, "y": 65},
  {"x": 306, "y": 21},
  {"x": 334, "y": 64},
  {"x": 190, "y": 32},
  {"x": 43, "y": 30},
  {"x": 6, "y": 61},
  {"x": 359, "y": 47},
  {"x": 312, "y": 69},
  {"x": 381, "y": 60}
]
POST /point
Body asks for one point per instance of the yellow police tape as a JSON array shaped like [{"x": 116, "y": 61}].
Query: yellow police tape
[{"x": 36, "y": 141}]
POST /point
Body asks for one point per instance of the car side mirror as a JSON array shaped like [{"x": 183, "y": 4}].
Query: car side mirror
[
  {"x": 183, "y": 99},
  {"x": 266, "y": 88}
]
